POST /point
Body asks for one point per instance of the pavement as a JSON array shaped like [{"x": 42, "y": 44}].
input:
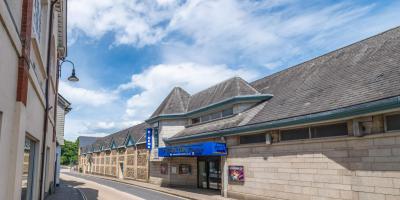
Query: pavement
[
  {"x": 65, "y": 191},
  {"x": 94, "y": 188},
  {"x": 99, "y": 187}
]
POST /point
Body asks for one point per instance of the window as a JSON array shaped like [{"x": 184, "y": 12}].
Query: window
[
  {"x": 249, "y": 139},
  {"x": 215, "y": 115},
  {"x": 196, "y": 120},
  {"x": 37, "y": 15},
  {"x": 227, "y": 112},
  {"x": 393, "y": 122},
  {"x": 329, "y": 130},
  {"x": 28, "y": 169},
  {"x": 205, "y": 118},
  {"x": 295, "y": 134}
]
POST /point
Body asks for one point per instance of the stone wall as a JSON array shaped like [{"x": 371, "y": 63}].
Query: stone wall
[
  {"x": 135, "y": 163},
  {"x": 343, "y": 168},
  {"x": 171, "y": 178}
]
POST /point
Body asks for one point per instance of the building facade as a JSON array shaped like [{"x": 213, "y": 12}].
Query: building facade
[
  {"x": 328, "y": 128},
  {"x": 63, "y": 108},
  {"x": 32, "y": 39},
  {"x": 120, "y": 155}
]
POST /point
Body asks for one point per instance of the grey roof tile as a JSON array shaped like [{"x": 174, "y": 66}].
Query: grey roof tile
[
  {"x": 176, "y": 102},
  {"x": 85, "y": 140},
  {"x": 232, "y": 87},
  {"x": 136, "y": 132},
  {"x": 365, "y": 71}
]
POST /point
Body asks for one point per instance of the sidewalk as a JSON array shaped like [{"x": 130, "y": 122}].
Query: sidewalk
[
  {"x": 66, "y": 192},
  {"x": 189, "y": 193}
]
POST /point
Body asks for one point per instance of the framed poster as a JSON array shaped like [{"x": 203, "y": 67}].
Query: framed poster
[
  {"x": 236, "y": 174},
  {"x": 185, "y": 169},
  {"x": 164, "y": 168}
]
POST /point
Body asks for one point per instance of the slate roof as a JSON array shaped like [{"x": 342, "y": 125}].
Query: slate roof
[
  {"x": 179, "y": 101},
  {"x": 85, "y": 140},
  {"x": 176, "y": 102},
  {"x": 136, "y": 132},
  {"x": 232, "y": 87},
  {"x": 366, "y": 71}
]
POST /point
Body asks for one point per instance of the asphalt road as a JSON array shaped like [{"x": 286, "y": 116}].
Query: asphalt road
[{"x": 101, "y": 189}]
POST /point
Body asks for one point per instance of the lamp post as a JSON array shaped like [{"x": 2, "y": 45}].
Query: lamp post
[{"x": 73, "y": 77}]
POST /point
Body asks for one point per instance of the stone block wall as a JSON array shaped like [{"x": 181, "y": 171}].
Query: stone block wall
[
  {"x": 135, "y": 163},
  {"x": 342, "y": 168},
  {"x": 174, "y": 179}
]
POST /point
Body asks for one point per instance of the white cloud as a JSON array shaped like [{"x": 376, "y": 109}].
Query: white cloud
[
  {"x": 232, "y": 32},
  {"x": 157, "y": 81},
  {"x": 133, "y": 22},
  {"x": 86, "y": 97}
]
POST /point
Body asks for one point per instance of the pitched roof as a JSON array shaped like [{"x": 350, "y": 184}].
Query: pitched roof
[
  {"x": 232, "y": 87},
  {"x": 136, "y": 132},
  {"x": 85, "y": 140},
  {"x": 176, "y": 102},
  {"x": 363, "y": 72}
]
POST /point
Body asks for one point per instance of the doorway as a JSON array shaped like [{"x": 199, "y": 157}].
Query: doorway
[
  {"x": 121, "y": 171},
  {"x": 209, "y": 172}
]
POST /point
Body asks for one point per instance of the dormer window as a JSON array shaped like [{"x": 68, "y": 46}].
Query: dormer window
[
  {"x": 213, "y": 116},
  {"x": 227, "y": 112},
  {"x": 196, "y": 120}
]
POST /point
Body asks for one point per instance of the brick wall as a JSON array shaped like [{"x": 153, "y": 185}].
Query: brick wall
[{"x": 343, "y": 168}]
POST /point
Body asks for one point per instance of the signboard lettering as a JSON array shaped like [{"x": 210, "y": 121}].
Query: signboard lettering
[{"x": 149, "y": 132}]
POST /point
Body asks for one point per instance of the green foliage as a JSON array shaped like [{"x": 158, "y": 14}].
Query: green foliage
[{"x": 69, "y": 153}]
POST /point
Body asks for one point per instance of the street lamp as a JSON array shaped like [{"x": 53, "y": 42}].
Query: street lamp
[{"x": 73, "y": 77}]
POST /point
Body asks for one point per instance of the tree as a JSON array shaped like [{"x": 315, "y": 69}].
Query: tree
[{"x": 69, "y": 153}]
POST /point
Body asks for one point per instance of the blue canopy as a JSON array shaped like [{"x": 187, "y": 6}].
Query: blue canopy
[{"x": 197, "y": 149}]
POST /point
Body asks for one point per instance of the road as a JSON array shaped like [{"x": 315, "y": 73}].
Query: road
[{"x": 101, "y": 189}]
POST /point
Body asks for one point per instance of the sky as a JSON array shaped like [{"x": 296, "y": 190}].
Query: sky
[{"x": 129, "y": 54}]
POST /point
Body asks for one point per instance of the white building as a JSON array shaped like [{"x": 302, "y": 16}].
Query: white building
[
  {"x": 32, "y": 40},
  {"x": 63, "y": 108}
]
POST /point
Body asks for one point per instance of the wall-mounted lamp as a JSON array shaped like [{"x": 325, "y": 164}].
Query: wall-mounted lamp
[{"x": 73, "y": 77}]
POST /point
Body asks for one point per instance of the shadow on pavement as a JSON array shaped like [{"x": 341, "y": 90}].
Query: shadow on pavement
[{"x": 91, "y": 194}]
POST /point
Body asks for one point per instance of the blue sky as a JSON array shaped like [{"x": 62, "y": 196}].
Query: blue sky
[{"x": 130, "y": 54}]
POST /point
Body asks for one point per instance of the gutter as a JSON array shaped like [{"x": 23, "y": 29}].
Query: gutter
[
  {"x": 256, "y": 98},
  {"x": 360, "y": 109}
]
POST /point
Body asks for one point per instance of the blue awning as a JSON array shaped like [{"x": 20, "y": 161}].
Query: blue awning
[{"x": 197, "y": 149}]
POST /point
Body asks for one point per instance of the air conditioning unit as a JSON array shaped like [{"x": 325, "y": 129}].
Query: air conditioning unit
[{"x": 362, "y": 126}]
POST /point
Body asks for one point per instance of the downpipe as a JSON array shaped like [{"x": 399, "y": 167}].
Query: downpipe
[{"x": 47, "y": 108}]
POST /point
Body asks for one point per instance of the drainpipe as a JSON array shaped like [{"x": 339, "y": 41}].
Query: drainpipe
[{"x": 46, "y": 113}]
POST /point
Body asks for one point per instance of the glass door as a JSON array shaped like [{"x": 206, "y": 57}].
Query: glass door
[
  {"x": 202, "y": 174},
  {"x": 214, "y": 174},
  {"x": 209, "y": 173}
]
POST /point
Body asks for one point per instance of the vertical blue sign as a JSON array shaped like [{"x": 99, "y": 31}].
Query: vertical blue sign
[{"x": 149, "y": 138}]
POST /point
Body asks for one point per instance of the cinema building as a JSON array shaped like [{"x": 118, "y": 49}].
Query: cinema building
[{"x": 328, "y": 128}]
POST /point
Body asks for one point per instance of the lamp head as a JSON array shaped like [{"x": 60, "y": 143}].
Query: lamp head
[{"x": 73, "y": 77}]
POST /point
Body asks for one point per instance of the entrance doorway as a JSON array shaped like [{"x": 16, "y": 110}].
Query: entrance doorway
[
  {"x": 209, "y": 172},
  {"x": 121, "y": 171}
]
